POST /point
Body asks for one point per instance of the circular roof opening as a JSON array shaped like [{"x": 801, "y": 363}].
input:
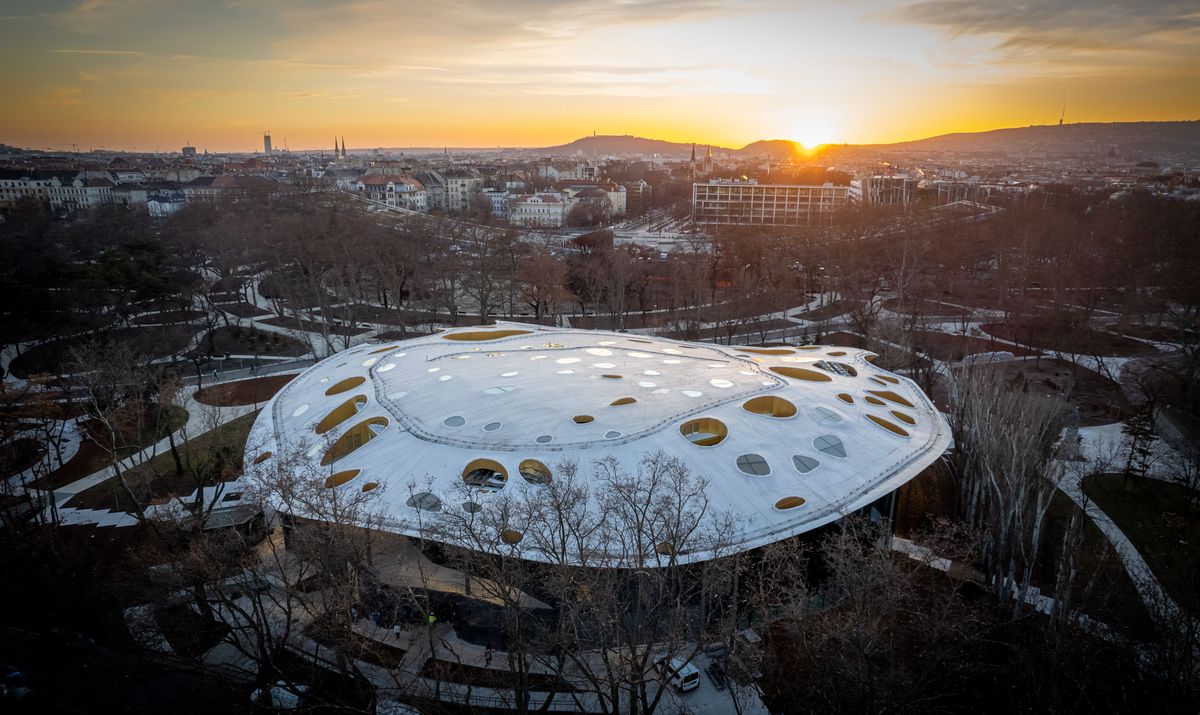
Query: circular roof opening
[
  {"x": 582, "y": 419},
  {"x": 837, "y": 368},
  {"x": 622, "y": 401},
  {"x": 387, "y": 366},
  {"x": 355, "y": 437},
  {"x": 888, "y": 425},
  {"x": 534, "y": 472},
  {"x": 753, "y": 464},
  {"x": 721, "y": 383},
  {"x": 691, "y": 393},
  {"x": 831, "y": 445},
  {"x": 789, "y": 503},
  {"x": 804, "y": 464},
  {"x": 544, "y": 439},
  {"x": 801, "y": 373},
  {"x": 348, "y": 384},
  {"x": 486, "y": 475},
  {"x": 704, "y": 432},
  {"x": 612, "y": 434},
  {"x": 492, "y": 426},
  {"x": 455, "y": 421},
  {"x": 300, "y": 410},
  {"x": 341, "y": 413},
  {"x": 770, "y": 405},
  {"x": 424, "y": 501},
  {"x": 337, "y": 479},
  {"x": 472, "y": 507}
]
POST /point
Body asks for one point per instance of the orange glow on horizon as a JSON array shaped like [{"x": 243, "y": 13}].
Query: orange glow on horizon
[{"x": 154, "y": 76}]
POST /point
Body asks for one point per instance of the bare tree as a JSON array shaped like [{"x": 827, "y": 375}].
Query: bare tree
[{"x": 1005, "y": 439}]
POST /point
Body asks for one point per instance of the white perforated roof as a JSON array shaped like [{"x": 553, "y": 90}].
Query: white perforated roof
[{"x": 488, "y": 398}]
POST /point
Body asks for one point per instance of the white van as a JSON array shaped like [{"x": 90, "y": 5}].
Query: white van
[{"x": 682, "y": 676}]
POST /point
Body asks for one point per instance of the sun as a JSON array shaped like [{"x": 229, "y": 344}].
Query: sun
[{"x": 813, "y": 131}]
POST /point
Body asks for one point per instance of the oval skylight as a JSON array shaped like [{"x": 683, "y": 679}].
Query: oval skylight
[
  {"x": 492, "y": 426},
  {"x": 753, "y": 464},
  {"x": 369, "y": 362},
  {"x": 804, "y": 464},
  {"x": 829, "y": 444},
  {"x": 424, "y": 501},
  {"x": 300, "y": 410},
  {"x": 544, "y": 439},
  {"x": 387, "y": 366},
  {"x": 567, "y": 361},
  {"x": 826, "y": 416},
  {"x": 455, "y": 421},
  {"x": 602, "y": 352},
  {"x": 718, "y": 382},
  {"x": 691, "y": 393}
]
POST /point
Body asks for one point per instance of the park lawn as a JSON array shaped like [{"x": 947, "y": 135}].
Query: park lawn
[
  {"x": 92, "y": 457},
  {"x": 1154, "y": 515},
  {"x": 1113, "y": 599},
  {"x": 219, "y": 453},
  {"x": 151, "y": 341},
  {"x": 1057, "y": 335},
  {"x": 238, "y": 340}
]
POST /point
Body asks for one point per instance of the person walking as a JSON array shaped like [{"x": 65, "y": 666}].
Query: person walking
[{"x": 487, "y": 656}]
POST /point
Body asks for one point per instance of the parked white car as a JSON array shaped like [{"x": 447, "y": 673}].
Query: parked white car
[{"x": 682, "y": 676}]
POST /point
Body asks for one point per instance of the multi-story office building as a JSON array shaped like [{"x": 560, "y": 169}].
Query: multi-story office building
[{"x": 749, "y": 203}]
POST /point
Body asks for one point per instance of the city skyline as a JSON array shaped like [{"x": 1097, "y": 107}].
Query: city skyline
[{"x": 134, "y": 74}]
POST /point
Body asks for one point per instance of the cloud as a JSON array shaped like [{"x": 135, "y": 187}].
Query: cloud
[
  {"x": 94, "y": 16},
  {"x": 583, "y": 80},
  {"x": 1073, "y": 31},
  {"x": 118, "y": 53},
  {"x": 60, "y": 97}
]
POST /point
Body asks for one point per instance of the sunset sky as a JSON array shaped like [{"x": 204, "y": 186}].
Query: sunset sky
[{"x": 155, "y": 74}]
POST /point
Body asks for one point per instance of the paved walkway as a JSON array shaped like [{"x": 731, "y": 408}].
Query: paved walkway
[
  {"x": 201, "y": 419},
  {"x": 1098, "y": 446}
]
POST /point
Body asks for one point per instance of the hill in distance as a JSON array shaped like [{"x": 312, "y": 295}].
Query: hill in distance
[
  {"x": 1090, "y": 137},
  {"x": 1150, "y": 138}
]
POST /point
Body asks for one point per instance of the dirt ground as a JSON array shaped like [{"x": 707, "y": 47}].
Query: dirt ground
[
  {"x": 952, "y": 348},
  {"x": 243, "y": 392},
  {"x": 1081, "y": 340},
  {"x": 1100, "y": 400}
]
